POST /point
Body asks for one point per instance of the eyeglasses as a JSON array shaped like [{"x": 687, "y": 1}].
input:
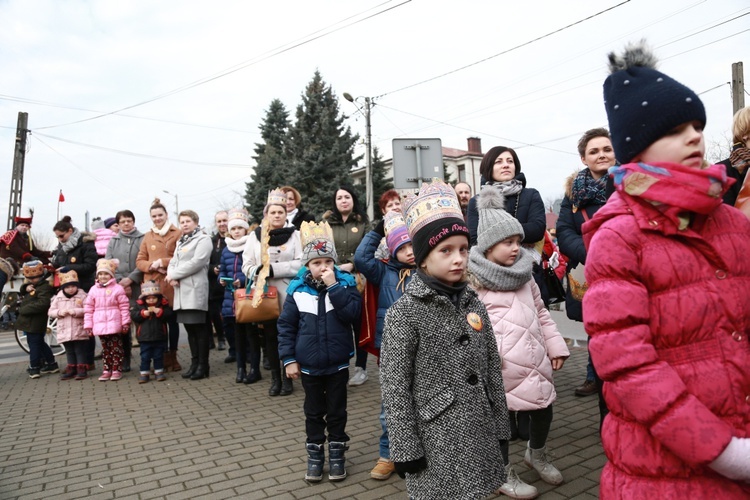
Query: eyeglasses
[{"x": 60, "y": 236}]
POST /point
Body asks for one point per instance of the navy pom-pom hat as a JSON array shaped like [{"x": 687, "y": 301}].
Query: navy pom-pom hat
[{"x": 643, "y": 104}]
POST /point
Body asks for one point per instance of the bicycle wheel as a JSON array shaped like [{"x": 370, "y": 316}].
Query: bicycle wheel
[{"x": 50, "y": 338}]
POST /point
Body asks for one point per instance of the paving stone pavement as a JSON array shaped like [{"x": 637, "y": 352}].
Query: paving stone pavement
[{"x": 217, "y": 439}]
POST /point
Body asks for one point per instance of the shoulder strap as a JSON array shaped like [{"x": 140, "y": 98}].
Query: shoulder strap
[{"x": 585, "y": 214}]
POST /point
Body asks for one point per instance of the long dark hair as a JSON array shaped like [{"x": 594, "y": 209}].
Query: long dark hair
[
  {"x": 356, "y": 207},
  {"x": 488, "y": 162}
]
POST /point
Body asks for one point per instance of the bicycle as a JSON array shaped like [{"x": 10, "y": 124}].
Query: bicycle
[{"x": 9, "y": 302}]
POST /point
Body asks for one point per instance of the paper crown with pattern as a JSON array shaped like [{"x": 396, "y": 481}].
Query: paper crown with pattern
[
  {"x": 237, "y": 217},
  {"x": 396, "y": 234},
  {"x": 317, "y": 242},
  {"x": 276, "y": 197},
  {"x": 432, "y": 216},
  {"x": 150, "y": 288},
  {"x": 32, "y": 269},
  {"x": 69, "y": 278},
  {"x": 108, "y": 266}
]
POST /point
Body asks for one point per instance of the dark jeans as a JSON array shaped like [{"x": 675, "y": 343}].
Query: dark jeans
[
  {"x": 77, "y": 352},
  {"x": 227, "y": 324},
  {"x": 540, "y": 423},
  {"x": 247, "y": 340},
  {"x": 39, "y": 352},
  {"x": 325, "y": 406},
  {"x": 155, "y": 351},
  {"x": 214, "y": 318}
]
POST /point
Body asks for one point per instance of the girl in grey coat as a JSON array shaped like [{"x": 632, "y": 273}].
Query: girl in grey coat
[
  {"x": 188, "y": 274},
  {"x": 440, "y": 368}
]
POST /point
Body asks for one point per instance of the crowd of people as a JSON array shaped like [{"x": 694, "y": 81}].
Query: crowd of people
[{"x": 448, "y": 291}]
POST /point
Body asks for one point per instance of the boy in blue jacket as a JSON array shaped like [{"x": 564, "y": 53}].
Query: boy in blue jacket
[
  {"x": 316, "y": 344},
  {"x": 391, "y": 278}
]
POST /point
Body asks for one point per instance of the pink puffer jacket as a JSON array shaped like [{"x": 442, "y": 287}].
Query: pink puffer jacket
[
  {"x": 103, "y": 235},
  {"x": 70, "y": 325},
  {"x": 527, "y": 339},
  {"x": 668, "y": 311},
  {"x": 107, "y": 309}
]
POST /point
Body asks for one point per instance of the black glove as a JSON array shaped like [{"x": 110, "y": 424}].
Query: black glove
[
  {"x": 380, "y": 228},
  {"x": 270, "y": 270},
  {"x": 411, "y": 467},
  {"x": 63, "y": 269}
]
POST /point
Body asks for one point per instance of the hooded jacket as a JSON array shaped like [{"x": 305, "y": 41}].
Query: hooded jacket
[
  {"x": 32, "y": 312},
  {"x": 81, "y": 259},
  {"x": 69, "y": 326},
  {"x": 151, "y": 327},
  {"x": 107, "y": 309},
  {"x": 667, "y": 311}
]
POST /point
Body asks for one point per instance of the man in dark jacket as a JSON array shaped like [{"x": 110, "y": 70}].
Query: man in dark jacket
[
  {"x": 215, "y": 290},
  {"x": 18, "y": 245}
]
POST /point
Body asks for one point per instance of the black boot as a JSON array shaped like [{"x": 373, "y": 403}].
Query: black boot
[
  {"x": 336, "y": 461},
  {"x": 266, "y": 361},
  {"x": 193, "y": 342},
  {"x": 203, "y": 347},
  {"x": 275, "y": 389},
  {"x": 286, "y": 386},
  {"x": 240, "y": 375},
  {"x": 252, "y": 376},
  {"x": 315, "y": 458},
  {"x": 200, "y": 372}
]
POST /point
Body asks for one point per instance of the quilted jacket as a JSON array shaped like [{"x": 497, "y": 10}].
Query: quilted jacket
[
  {"x": 668, "y": 311},
  {"x": 153, "y": 327},
  {"x": 230, "y": 267},
  {"x": 107, "y": 309},
  {"x": 70, "y": 326},
  {"x": 316, "y": 326},
  {"x": 443, "y": 394},
  {"x": 527, "y": 339}
]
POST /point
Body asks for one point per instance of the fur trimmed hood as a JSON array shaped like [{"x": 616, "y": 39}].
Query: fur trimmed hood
[
  {"x": 334, "y": 218},
  {"x": 87, "y": 236},
  {"x": 569, "y": 183}
]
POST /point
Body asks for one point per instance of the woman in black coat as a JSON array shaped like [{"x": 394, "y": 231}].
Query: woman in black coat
[
  {"x": 75, "y": 252},
  {"x": 586, "y": 191}
]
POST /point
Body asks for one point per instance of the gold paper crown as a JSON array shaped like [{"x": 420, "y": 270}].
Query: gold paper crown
[
  {"x": 150, "y": 288},
  {"x": 69, "y": 277},
  {"x": 276, "y": 197},
  {"x": 310, "y": 232},
  {"x": 109, "y": 266},
  {"x": 436, "y": 200}
]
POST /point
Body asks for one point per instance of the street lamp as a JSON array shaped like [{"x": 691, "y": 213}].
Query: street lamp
[
  {"x": 368, "y": 151},
  {"x": 176, "y": 203}
]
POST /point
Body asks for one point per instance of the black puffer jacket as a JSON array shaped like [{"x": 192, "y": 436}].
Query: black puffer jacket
[
  {"x": 153, "y": 328},
  {"x": 527, "y": 206},
  {"x": 570, "y": 239},
  {"x": 81, "y": 259}
]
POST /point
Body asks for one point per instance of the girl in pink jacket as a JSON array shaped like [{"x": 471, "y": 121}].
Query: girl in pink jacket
[
  {"x": 67, "y": 307},
  {"x": 530, "y": 345},
  {"x": 107, "y": 315}
]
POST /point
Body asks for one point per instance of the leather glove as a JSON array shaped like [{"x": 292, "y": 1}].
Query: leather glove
[{"x": 410, "y": 467}]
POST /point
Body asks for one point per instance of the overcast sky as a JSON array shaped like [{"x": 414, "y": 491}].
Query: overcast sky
[{"x": 522, "y": 74}]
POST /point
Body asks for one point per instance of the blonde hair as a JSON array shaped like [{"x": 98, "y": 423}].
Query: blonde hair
[{"x": 741, "y": 125}]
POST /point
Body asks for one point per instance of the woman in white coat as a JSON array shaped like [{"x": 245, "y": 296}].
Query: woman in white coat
[
  {"x": 284, "y": 252},
  {"x": 188, "y": 274}
]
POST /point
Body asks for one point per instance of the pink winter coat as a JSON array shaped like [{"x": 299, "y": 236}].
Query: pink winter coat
[
  {"x": 527, "y": 339},
  {"x": 107, "y": 309},
  {"x": 103, "y": 235},
  {"x": 69, "y": 326},
  {"x": 668, "y": 311}
]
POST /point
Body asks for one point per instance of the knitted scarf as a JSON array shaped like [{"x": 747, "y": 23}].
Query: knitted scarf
[
  {"x": 673, "y": 189},
  {"x": 277, "y": 237},
  {"x": 452, "y": 292},
  {"x": 588, "y": 191},
  {"x": 236, "y": 246},
  {"x": 72, "y": 241},
  {"x": 501, "y": 278},
  {"x": 185, "y": 237},
  {"x": 740, "y": 157},
  {"x": 164, "y": 229},
  {"x": 508, "y": 188}
]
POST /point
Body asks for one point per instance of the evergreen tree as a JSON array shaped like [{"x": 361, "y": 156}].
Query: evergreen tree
[
  {"x": 447, "y": 177},
  {"x": 320, "y": 150},
  {"x": 270, "y": 164},
  {"x": 380, "y": 184}
]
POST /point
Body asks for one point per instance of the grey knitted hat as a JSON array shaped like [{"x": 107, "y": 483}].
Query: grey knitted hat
[{"x": 495, "y": 224}]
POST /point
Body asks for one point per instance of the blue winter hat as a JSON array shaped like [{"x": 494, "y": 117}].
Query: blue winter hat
[{"x": 643, "y": 104}]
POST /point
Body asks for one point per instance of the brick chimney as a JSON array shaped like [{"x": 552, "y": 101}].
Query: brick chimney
[{"x": 475, "y": 145}]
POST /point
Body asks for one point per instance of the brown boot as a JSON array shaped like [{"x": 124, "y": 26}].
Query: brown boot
[
  {"x": 176, "y": 367},
  {"x": 168, "y": 360}
]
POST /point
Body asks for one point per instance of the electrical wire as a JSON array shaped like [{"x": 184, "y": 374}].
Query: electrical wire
[
  {"x": 267, "y": 55},
  {"x": 524, "y": 44},
  {"x": 100, "y": 181},
  {"x": 142, "y": 155}
]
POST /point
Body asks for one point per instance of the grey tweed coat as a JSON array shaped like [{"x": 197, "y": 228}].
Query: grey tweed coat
[{"x": 443, "y": 394}]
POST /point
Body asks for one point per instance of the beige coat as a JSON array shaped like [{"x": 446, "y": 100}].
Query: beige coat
[
  {"x": 285, "y": 261},
  {"x": 155, "y": 247}
]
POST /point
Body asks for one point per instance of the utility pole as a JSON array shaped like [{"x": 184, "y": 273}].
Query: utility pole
[
  {"x": 368, "y": 160},
  {"x": 19, "y": 157},
  {"x": 738, "y": 87}
]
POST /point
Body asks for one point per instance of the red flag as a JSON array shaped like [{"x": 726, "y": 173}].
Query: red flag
[{"x": 62, "y": 198}]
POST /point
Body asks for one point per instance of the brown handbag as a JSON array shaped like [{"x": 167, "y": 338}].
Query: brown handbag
[{"x": 267, "y": 310}]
